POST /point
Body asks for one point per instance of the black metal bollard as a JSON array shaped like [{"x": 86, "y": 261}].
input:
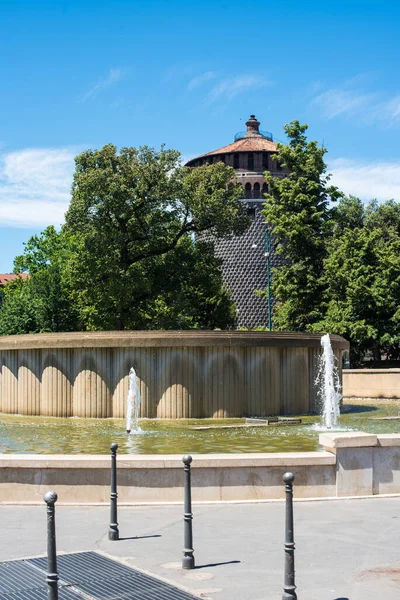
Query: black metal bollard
[
  {"x": 113, "y": 532},
  {"x": 289, "y": 588},
  {"x": 188, "y": 558},
  {"x": 52, "y": 576}
]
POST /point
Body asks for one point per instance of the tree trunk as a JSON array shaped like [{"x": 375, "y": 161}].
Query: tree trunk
[
  {"x": 120, "y": 325},
  {"x": 376, "y": 352}
]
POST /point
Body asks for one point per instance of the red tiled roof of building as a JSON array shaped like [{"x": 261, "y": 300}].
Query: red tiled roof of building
[
  {"x": 250, "y": 144},
  {"x": 7, "y": 277},
  {"x": 250, "y": 141}
]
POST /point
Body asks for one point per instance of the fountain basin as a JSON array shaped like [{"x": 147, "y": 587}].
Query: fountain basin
[
  {"x": 49, "y": 435},
  {"x": 181, "y": 374},
  {"x": 352, "y": 464},
  {"x": 159, "y": 479},
  {"x": 42, "y": 453}
]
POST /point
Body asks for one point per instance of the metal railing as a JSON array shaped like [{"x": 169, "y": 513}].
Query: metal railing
[{"x": 265, "y": 134}]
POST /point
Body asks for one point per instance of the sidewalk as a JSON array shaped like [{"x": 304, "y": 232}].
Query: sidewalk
[{"x": 345, "y": 549}]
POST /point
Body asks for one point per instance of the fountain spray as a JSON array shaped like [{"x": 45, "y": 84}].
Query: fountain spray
[
  {"x": 328, "y": 384},
  {"x": 133, "y": 404}
]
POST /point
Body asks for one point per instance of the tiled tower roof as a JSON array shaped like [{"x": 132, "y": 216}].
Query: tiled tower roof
[
  {"x": 252, "y": 140},
  {"x": 246, "y": 145}
]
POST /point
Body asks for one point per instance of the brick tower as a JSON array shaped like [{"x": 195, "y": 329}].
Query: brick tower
[{"x": 247, "y": 259}]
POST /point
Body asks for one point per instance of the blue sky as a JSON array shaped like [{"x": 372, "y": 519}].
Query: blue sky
[{"x": 77, "y": 75}]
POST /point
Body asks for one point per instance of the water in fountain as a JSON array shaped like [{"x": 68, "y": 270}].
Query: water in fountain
[
  {"x": 133, "y": 404},
  {"x": 328, "y": 385}
]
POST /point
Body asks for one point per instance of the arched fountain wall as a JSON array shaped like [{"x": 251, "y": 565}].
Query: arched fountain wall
[{"x": 182, "y": 374}]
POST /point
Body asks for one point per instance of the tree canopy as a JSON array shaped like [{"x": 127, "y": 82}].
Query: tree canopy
[
  {"x": 361, "y": 278},
  {"x": 42, "y": 302},
  {"x": 341, "y": 262},
  {"x": 297, "y": 211},
  {"x": 132, "y": 252},
  {"x": 131, "y": 226}
]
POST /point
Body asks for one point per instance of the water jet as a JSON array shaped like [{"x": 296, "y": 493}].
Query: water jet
[{"x": 328, "y": 384}]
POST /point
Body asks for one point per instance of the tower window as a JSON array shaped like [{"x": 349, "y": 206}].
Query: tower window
[
  {"x": 256, "y": 189},
  {"x": 236, "y": 161},
  {"x": 264, "y": 189},
  {"x": 265, "y": 160},
  {"x": 247, "y": 190},
  {"x": 250, "y": 161}
]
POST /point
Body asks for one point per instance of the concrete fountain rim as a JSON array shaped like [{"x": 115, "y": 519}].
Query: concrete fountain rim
[{"x": 157, "y": 338}]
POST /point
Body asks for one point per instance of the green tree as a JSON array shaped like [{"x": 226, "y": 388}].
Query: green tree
[
  {"x": 297, "y": 211},
  {"x": 18, "y": 310},
  {"x": 361, "y": 278},
  {"x": 131, "y": 227},
  {"x": 41, "y": 302},
  {"x": 188, "y": 292}
]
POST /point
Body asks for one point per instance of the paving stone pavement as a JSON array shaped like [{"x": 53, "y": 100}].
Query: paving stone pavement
[{"x": 345, "y": 549}]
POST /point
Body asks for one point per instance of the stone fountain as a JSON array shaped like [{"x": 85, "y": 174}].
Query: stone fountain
[{"x": 181, "y": 374}]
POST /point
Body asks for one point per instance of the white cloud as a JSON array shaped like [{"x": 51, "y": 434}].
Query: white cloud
[
  {"x": 35, "y": 186},
  {"x": 201, "y": 79},
  {"x": 349, "y": 101},
  {"x": 113, "y": 76},
  {"x": 337, "y": 101},
  {"x": 230, "y": 87},
  {"x": 389, "y": 111},
  {"x": 380, "y": 180}
]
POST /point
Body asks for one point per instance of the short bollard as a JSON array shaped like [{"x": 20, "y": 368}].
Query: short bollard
[
  {"x": 113, "y": 532},
  {"x": 289, "y": 588},
  {"x": 188, "y": 558},
  {"x": 52, "y": 576}
]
